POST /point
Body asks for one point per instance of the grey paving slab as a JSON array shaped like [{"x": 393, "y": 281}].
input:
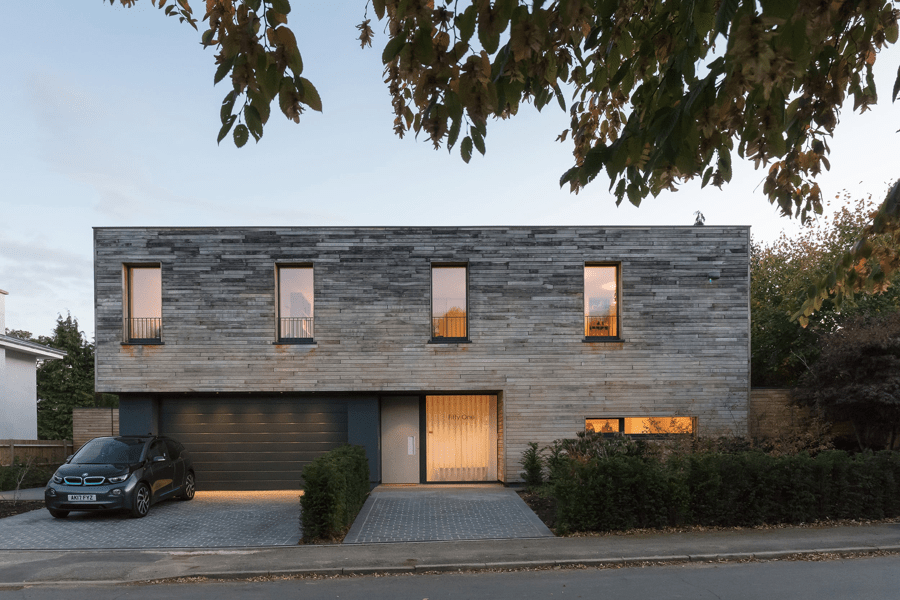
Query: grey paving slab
[
  {"x": 444, "y": 513},
  {"x": 211, "y": 520}
]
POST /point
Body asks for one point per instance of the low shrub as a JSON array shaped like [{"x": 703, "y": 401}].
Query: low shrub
[
  {"x": 31, "y": 475},
  {"x": 335, "y": 486},
  {"x": 533, "y": 463},
  {"x": 616, "y": 486}
]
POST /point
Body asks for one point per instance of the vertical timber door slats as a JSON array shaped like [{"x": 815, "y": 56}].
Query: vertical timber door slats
[{"x": 462, "y": 438}]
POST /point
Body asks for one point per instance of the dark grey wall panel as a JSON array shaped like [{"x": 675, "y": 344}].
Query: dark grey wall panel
[
  {"x": 138, "y": 416},
  {"x": 256, "y": 442},
  {"x": 363, "y": 430}
]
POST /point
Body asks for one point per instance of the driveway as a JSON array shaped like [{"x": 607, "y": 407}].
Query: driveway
[
  {"x": 211, "y": 520},
  {"x": 427, "y": 513}
]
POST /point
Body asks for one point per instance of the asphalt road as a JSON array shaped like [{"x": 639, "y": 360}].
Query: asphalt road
[{"x": 866, "y": 578}]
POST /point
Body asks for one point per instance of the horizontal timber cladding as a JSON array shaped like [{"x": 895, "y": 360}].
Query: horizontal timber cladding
[
  {"x": 684, "y": 319},
  {"x": 253, "y": 443}
]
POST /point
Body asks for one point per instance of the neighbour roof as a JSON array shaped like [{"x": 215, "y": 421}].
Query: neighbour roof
[{"x": 31, "y": 348}]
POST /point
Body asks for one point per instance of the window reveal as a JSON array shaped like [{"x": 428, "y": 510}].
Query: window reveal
[
  {"x": 601, "y": 301},
  {"x": 144, "y": 304},
  {"x": 295, "y": 303},
  {"x": 449, "y": 307}
]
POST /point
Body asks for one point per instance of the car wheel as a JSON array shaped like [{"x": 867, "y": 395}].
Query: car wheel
[
  {"x": 141, "y": 505},
  {"x": 187, "y": 492},
  {"x": 58, "y": 514}
]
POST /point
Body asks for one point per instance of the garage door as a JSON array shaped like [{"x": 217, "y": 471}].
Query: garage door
[{"x": 253, "y": 443}]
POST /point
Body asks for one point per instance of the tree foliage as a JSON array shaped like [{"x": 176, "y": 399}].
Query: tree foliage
[
  {"x": 781, "y": 274},
  {"x": 866, "y": 266},
  {"x": 659, "y": 92},
  {"x": 857, "y": 379},
  {"x": 66, "y": 383}
]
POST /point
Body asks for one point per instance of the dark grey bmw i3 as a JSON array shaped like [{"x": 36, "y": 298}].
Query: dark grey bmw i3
[{"x": 121, "y": 473}]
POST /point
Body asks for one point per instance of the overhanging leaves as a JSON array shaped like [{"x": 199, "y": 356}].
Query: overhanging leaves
[
  {"x": 855, "y": 272},
  {"x": 648, "y": 72},
  {"x": 241, "y": 134}
]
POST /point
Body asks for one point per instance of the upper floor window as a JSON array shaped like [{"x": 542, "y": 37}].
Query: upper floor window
[
  {"x": 601, "y": 301},
  {"x": 449, "y": 309},
  {"x": 295, "y": 303},
  {"x": 143, "y": 319}
]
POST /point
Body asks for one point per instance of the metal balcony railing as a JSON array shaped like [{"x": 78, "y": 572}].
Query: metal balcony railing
[
  {"x": 296, "y": 328},
  {"x": 144, "y": 329},
  {"x": 449, "y": 327},
  {"x": 601, "y": 326}
]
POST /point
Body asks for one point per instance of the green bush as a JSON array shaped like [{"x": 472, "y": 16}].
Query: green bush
[
  {"x": 35, "y": 475},
  {"x": 604, "y": 491},
  {"x": 335, "y": 487},
  {"x": 533, "y": 464}
]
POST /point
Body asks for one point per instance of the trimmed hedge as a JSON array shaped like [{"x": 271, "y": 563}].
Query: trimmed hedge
[
  {"x": 335, "y": 487},
  {"x": 623, "y": 491}
]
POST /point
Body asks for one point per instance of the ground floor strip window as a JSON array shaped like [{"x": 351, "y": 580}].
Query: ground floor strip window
[{"x": 649, "y": 426}]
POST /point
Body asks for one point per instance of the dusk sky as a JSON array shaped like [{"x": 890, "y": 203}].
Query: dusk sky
[{"x": 111, "y": 116}]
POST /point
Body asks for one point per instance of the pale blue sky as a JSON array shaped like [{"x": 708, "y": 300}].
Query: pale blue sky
[{"x": 110, "y": 118}]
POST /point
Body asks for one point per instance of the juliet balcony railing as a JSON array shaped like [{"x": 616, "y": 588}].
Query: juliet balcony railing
[
  {"x": 295, "y": 328},
  {"x": 606, "y": 326},
  {"x": 448, "y": 327},
  {"x": 144, "y": 329}
]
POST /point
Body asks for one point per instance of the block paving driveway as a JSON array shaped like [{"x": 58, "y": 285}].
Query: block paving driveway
[
  {"x": 430, "y": 513},
  {"x": 271, "y": 518},
  {"x": 211, "y": 520}
]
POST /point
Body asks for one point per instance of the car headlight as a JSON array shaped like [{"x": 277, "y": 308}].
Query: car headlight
[
  {"x": 118, "y": 478},
  {"x": 57, "y": 478}
]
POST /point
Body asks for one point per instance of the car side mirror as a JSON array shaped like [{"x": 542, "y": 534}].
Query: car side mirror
[{"x": 159, "y": 459}]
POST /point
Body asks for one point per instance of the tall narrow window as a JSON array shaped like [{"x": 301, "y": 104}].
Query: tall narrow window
[
  {"x": 449, "y": 310},
  {"x": 144, "y": 304},
  {"x": 295, "y": 304},
  {"x": 601, "y": 301}
]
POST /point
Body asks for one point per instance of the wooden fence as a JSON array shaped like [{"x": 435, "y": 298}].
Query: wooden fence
[
  {"x": 88, "y": 423},
  {"x": 42, "y": 451}
]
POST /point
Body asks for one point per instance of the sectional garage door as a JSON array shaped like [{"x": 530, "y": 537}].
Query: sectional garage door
[{"x": 254, "y": 443}]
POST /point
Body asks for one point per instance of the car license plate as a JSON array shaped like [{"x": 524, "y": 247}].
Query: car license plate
[{"x": 82, "y": 497}]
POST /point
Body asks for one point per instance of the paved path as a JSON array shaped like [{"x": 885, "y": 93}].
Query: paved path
[
  {"x": 117, "y": 566},
  {"x": 444, "y": 513},
  {"x": 26, "y": 494},
  {"x": 211, "y": 520}
]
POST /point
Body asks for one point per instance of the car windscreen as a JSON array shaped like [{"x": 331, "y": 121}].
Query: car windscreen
[{"x": 109, "y": 451}]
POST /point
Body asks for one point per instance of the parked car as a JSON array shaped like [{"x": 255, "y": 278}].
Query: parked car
[{"x": 121, "y": 473}]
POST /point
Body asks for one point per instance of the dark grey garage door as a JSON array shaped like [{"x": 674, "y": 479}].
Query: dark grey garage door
[{"x": 254, "y": 443}]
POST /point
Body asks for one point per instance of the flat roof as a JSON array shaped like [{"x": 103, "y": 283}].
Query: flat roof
[{"x": 448, "y": 227}]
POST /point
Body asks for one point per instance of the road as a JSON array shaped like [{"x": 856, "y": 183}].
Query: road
[{"x": 864, "y": 578}]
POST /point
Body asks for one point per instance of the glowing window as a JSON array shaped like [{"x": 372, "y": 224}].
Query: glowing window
[
  {"x": 295, "y": 303},
  {"x": 143, "y": 318},
  {"x": 449, "y": 308},
  {"x": 642, "y": 425},
  {"x": 601, "y": 301}
]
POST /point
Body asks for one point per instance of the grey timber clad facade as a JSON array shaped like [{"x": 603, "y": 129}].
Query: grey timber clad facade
[{"x": 682, "y": 346}]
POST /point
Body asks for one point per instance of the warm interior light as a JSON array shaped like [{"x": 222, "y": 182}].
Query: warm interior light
[{"x": 642, "y": 425}]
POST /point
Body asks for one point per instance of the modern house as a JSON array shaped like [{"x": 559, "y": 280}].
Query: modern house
[
  {"x": 442, "y": 350},
  {"x": 18, "y": 383}
]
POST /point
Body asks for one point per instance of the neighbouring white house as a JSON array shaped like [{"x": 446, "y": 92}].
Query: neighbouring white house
[{"x": 18, "y": 383}]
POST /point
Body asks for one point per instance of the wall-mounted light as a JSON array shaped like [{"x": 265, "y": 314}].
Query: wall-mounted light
[{"x": 713, "y": 275}]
